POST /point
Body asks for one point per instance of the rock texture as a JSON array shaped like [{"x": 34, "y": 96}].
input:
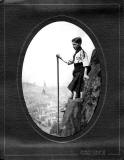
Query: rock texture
[{"x": 72, "y": 118}]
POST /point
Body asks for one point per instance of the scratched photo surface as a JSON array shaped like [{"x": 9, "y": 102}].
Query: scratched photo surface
[{"x": 24, "y": 134}]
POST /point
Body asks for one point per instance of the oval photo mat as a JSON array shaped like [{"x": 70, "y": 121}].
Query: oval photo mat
[{"x": 40, "y": 104}]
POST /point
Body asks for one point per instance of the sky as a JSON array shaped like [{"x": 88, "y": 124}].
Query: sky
[{"x": 40, "y": 64}]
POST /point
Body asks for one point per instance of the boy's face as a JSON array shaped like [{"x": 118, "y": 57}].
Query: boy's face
[{"x": 75, "y": 45}]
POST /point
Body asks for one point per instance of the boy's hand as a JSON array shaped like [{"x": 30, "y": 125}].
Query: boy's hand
[
  {"x": 86, "y": 76},
  {"x": 58, "y": 55}
]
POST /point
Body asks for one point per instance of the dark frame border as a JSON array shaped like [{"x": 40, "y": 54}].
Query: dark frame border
[{"x": 101, "y": 100}]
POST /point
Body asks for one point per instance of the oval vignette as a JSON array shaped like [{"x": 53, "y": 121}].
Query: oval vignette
[{"x": 38, "y": 87}]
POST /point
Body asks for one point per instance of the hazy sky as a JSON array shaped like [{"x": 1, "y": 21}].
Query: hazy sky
[{"x": 40, "y": 64}]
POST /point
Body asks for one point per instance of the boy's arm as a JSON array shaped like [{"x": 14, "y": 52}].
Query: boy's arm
[
  {"x": 85, "y": 73},
  {"x": 85, "y": 64}
]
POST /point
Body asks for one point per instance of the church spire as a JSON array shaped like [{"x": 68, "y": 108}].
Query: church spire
[{"x": 44, "y": 88}]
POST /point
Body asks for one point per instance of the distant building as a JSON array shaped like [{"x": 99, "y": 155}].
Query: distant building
[{"x": 44, "y": 88}]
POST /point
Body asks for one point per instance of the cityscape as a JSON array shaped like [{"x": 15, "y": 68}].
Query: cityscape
[{"x": 42, "y": 106}]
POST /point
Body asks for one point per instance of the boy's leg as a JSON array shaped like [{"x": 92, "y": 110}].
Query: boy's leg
[
  {"x": 82, "y": 94},
  {"x": 70, "y": 95},
  {"x": 74, "y": 95}
]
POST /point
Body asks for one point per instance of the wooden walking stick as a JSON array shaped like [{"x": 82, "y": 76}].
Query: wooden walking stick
[
  {"x": 58, "y": 57},
  {"x": 58, "y": 91}
]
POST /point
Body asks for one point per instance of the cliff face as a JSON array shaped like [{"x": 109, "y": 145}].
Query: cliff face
[
  {"x": 79, "y": 111},
  {"x": 72, "y": 118}
]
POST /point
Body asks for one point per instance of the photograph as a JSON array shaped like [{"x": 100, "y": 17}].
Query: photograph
[
  {"x": 61, "y": 79},
  {"x": 61, "y": 72}
]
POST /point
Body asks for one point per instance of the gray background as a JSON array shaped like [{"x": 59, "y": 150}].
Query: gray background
[{"x": 21, "y": 140}]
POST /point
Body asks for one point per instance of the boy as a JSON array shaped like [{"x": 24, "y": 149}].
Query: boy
[{"x": 80, "y": 61}]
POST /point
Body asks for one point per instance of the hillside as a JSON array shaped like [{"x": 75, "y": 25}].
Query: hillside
[{"x": 43, "y": 107}]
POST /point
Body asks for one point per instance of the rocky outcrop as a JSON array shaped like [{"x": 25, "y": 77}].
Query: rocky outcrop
[{"x": 72, "y": 118}]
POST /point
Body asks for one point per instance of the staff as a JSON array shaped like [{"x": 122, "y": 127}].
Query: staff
[
  {"x": 58, "y": 57},
  {"x": 58, "y": 91}
]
